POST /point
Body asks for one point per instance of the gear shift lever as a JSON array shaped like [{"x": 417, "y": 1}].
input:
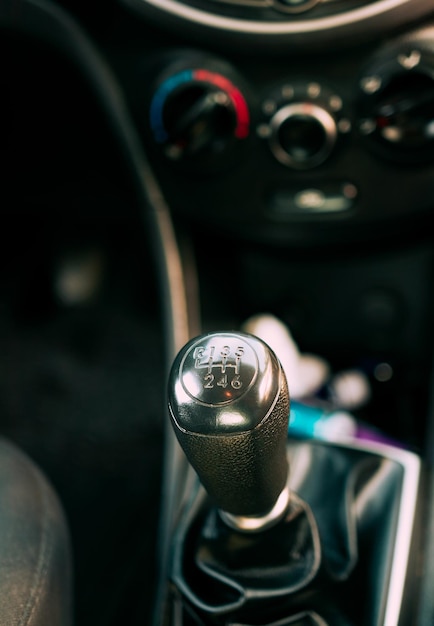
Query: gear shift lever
[{"x": 229, "y": 405}]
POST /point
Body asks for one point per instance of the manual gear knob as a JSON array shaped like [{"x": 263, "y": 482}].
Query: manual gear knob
[{"x": 229, "y": 405}]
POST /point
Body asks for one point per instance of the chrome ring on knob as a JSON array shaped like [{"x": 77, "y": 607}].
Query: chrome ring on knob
[
  {"x": 258, "y": 523},
  {"x": 303, "y": 111}
]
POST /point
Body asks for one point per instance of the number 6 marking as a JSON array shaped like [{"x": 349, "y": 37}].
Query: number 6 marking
[{"x": 236, "y": 382}]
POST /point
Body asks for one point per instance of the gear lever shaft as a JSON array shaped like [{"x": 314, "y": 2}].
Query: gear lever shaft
[{"x": 229, "y": 405}]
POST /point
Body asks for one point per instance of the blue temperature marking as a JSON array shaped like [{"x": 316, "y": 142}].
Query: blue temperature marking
[{"x": 157, "y": 103}]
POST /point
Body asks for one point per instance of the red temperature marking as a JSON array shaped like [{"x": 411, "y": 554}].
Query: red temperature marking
[{"x": 238, "y": 100}]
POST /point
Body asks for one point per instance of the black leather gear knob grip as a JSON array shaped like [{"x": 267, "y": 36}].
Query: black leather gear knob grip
[{"x": 229, "y": 405}]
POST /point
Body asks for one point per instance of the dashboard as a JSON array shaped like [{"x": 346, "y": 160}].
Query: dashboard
[
  {"x": 324, "y": 139},
  {"x": 265, "y": 156}
]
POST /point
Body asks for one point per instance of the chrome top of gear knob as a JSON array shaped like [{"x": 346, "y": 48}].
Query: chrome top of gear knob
[{"x": 223, "y": 383}]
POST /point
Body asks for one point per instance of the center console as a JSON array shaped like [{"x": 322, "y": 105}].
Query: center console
[{"x": 287, "y": 531}]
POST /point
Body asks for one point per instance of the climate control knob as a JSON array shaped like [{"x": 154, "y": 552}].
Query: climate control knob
[
  {"x": 303, "y": 124},
  {"x": 302, "y": 135},
  {"x": 396, "y": 104},
  {"x": 198, "y": 115}
]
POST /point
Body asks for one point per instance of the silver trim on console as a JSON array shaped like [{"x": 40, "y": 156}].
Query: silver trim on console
[
  {"x": 411, "y": 465},
  {"x": 393, "y": 12}
]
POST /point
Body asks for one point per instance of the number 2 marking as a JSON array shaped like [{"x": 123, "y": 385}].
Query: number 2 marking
[{"x": 210, "y": 383}]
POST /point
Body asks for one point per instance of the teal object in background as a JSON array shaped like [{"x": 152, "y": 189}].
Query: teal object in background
[{"x": 314, "y": 422}]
